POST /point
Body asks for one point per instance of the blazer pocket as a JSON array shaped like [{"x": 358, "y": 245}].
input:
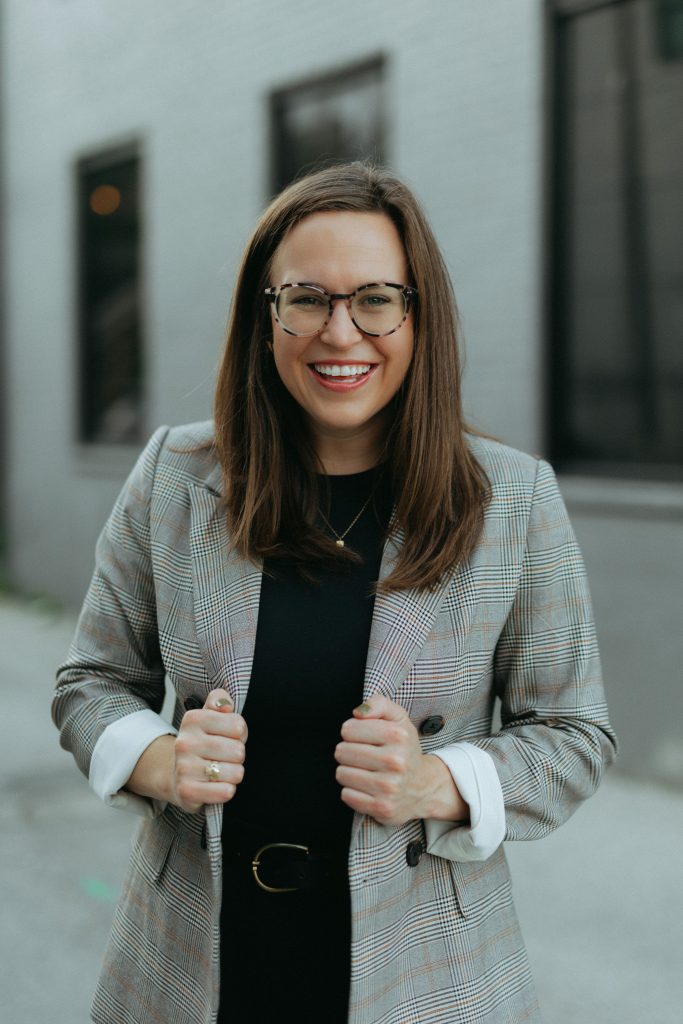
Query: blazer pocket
[
  {"x": 482, "y": 887},
  {"x": 152, "y": 848}
]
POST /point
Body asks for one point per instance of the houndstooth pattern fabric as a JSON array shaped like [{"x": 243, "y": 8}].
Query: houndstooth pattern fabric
[{"x": 434, "y": 943}]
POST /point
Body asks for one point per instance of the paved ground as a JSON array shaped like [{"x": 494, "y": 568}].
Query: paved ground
[{"x": 600, "y": 901}]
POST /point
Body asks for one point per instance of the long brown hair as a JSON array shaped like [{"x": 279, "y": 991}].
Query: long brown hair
[{"x": 263, "y": 444}]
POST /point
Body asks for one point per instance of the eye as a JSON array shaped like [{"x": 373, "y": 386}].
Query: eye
[
  {"x": 308, "y": 301},
  {"x": 374, "y": 299},
  {"x": 378, "y": 300},
  {"x": 303, "y": 300}
]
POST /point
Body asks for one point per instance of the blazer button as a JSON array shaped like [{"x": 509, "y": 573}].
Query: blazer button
[
  {"x": 432, "y": 725},
  {"x": 193, "y": 703},
  {"x": 414, "y": 853}
]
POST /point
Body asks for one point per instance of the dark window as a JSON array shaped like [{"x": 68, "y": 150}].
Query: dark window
[
  {"x": 670, "y": 14},
  {"x": 617, "y": 298},
  {"x": 327, "y": 119},
  {"x": 110, "y": 363}
]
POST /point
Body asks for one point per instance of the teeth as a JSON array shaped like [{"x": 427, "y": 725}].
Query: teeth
[{"x": 333, "y": 370}]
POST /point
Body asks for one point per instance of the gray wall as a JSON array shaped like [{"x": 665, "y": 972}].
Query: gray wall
[
  {"x": 464, "y": 109},
  {"x": 632, "y": 541},
  {"x": 192, "y": 81}
]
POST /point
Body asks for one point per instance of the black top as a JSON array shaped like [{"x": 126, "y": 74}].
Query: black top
[
  {"x": 285, "y": 955},
  {"x": 307, "y": 675}
]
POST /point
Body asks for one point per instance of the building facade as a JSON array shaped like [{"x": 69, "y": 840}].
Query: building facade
[{"x": 141, "y": 142}]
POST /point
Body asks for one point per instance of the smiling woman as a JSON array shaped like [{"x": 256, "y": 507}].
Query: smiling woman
[
  {"x": 337, "y": 579},
  {"x": 340, "y": 376},
  {"x": 284, "y": 412}
]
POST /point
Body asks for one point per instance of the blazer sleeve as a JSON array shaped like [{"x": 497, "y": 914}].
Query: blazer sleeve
[
  {"x": 555, "y": 738},
  {"x": 114, "y": 666}
]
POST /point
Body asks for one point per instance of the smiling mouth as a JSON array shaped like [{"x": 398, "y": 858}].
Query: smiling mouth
[{"x": 346, "y": 373}]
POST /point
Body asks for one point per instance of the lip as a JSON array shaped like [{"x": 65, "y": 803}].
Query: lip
[{"x": 338, "y": 383}]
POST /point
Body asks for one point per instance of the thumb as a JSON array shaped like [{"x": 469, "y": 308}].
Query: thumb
[
  {"x": 380, "y": 706},
  {"x": 220, "y": 700}
]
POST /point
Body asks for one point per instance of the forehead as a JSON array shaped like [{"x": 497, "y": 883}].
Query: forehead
[{"x": 341, "y": 249}]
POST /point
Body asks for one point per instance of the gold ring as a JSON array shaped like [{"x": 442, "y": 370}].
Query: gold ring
[{"x": 213, "y": 771}]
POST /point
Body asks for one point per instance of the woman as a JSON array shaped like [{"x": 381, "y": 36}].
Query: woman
[{"x": 338, "y": 581}]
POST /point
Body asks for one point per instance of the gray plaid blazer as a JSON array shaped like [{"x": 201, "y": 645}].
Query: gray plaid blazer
[{"x": 437, "y": 942}]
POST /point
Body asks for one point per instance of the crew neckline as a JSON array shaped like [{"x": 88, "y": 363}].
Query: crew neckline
[{"x": 373, "y": 471}]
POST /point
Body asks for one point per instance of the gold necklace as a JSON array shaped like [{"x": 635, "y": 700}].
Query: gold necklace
[{"x": 340, "y": 536}]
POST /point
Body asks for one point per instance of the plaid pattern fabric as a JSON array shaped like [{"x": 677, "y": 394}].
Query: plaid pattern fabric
[{"x": 433, "y": 943}]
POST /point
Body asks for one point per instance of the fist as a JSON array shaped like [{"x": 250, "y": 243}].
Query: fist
[
  {"x": 383, "y": 772},
  {"x": 209, "y": 754}
]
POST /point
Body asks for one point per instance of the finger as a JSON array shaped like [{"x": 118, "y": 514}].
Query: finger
[
  {"x": 222, "y": 749},
  {"x": 220, "y": 700},
  {"x": 374, "y": 730},
  {"x": 215, "y": 773},
  {"x": 197, "y": 725},
  {"x": 193, "y": 794},
  {"x": 373, "y": 806},
  {"x": 370, "y": 783},
  {"x": 208, "y": 782},
  {"x": 233, "y": 725},
  {"x": 230, "y": 726},
  {"x": 370, "y": 757},
  {"x": 380, "y": 706}
]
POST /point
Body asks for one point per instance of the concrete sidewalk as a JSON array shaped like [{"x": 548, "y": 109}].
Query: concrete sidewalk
[{"x": 600, "y": 901}]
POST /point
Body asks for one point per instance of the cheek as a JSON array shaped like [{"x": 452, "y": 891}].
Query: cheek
[
  {"x": 286, "y": 355},
  {"x": 280, "y": 362},
  {"x": 400, "y": 356}
]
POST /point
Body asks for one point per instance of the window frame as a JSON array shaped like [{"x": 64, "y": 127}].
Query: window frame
[
  {"x": 95, "y": 452},
  {"x": 326, "y": 80},
  {"x": 556, "y": 350}
]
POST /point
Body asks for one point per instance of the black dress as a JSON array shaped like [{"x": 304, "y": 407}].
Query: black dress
[{"x": 288, "y": 952}]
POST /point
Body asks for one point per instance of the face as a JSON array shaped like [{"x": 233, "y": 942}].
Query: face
[{"x": 342, "y": 378}]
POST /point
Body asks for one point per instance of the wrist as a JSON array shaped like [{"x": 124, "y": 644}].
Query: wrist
[
  {"x": 154, "y": 773},
  {"x": 443, "y": 801},
  {"x": 165, "y": 781}
]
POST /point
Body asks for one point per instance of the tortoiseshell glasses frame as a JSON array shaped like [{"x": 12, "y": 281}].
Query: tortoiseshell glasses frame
[{"x": 311, "y": 292}]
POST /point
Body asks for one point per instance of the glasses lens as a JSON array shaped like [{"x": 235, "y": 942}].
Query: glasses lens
[
  {"x": 302, "y": 310},
  {"x": 379, "y": 309}
]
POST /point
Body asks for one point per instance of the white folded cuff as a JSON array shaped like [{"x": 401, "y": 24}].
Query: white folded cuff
[
  {"x": 116, "y": 753},
  {"x": 475, "y": 775}
]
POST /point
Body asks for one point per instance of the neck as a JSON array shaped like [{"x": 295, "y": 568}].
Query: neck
[
  {"x": 344, "y": 463},
  {"x": 341, "y": 456}
]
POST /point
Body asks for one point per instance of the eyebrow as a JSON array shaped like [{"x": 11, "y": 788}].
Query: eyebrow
[{"x": 363, "y": 284}]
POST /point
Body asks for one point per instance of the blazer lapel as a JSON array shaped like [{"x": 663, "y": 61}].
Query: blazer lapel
[
  {"x": 227, "y": 588},
  {"x": 226, "y": 597},
  {"x": 401, "y": 623}
]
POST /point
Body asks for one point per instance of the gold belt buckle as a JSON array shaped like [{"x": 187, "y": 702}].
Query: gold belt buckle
[{"x": 256, "y": 863}]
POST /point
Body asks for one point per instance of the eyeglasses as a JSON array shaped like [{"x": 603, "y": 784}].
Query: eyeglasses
[{"x": 375, "y": 309}]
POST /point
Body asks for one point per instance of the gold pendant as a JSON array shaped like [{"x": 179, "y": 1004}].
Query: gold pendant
[{"x": 340, "y": 543}]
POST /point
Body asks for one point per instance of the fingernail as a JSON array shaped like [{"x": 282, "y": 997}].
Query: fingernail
[
  {"x": 223, "y": 701},
  {"x": 363, "y": 708}
]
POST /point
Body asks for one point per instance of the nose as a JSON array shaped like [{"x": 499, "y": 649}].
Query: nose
[{"x": 340, "y": 329}]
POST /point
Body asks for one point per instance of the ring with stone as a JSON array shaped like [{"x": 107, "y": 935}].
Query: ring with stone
[{"x": 213, "y": 771}]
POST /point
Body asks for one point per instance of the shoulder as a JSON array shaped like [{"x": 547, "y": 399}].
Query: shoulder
[
  {"x": 191, "y": 437},
  {"x": 502, "y": 464},
  {"x": 524, "y": 497},
  {"x": 176, "y": 456},
  {"x": 518, "y": 482},
  {"x": 185, "y": 453}
]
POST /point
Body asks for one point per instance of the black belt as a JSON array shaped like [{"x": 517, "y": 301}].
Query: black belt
[{"x": 281, "y": 867}]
